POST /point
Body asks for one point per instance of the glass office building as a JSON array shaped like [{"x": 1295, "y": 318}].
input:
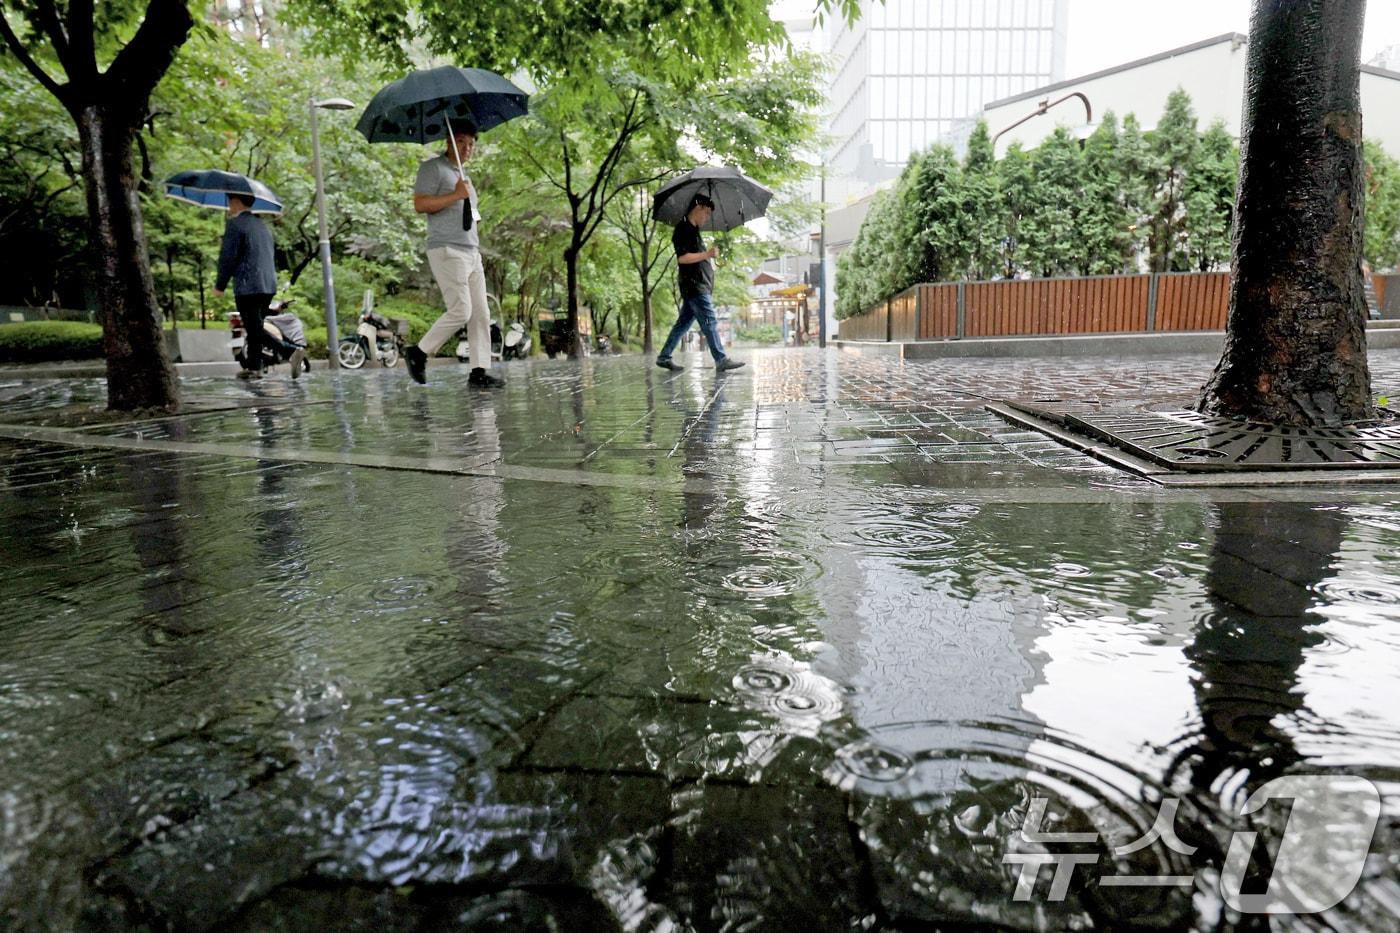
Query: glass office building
[{"x": 910, "y": 73}]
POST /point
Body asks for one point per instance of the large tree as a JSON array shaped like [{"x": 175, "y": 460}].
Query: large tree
[
  {"x": 108, "y": 105},
  {"x": 1295, "y": 349}
]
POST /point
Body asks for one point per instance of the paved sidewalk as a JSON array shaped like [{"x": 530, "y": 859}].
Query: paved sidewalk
[{"x": 611, "y": 648}]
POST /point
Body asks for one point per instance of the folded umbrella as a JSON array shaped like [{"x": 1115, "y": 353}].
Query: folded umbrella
[
  {"x": 211, "y": 188},
  {"x": 737, "y": 197}
]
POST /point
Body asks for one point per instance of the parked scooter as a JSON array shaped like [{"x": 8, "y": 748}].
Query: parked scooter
[
  {"x": 464, "y": 346},
  {"x": 283, "y": 336},
  {"x": 376, "y": 337},
  {"x": 516, "y": 345}
]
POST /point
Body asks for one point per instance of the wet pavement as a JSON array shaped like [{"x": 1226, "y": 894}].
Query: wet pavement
[{"x": 817, "y": 645}]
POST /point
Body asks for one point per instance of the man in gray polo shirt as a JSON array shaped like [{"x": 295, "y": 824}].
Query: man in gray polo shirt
[{"x": 454, "y": 254}]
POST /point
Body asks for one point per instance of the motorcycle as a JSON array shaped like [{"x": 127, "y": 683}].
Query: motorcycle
[
  {"x": 283, "y": 335},
  {"x": 516, "y": 345},
  {"x": 376, "y": 336},
  {"x": 464, "y": 341},
  {"x": 464, "y": 347}
]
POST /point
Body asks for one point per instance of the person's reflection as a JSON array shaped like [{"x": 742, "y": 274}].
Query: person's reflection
[
  {"x": 1247, "y": 652},
  {"x": 277, "y": 530},
  {"x": 697, "y": 446},
  {"x": 167, "y": 586},
  {"x": 473, "y": 547}
]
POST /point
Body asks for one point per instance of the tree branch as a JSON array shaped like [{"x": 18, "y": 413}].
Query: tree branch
[
  {"x": 58, "y": 36},
  {"x": 139, "y": 66},
  {"x": 30, "y": 65},
  {"x": 544, "y": 171},
  {"x": 82, "y": 64}
]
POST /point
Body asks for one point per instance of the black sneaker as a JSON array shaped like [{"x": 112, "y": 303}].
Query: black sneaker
[
  {"x": 665, "y": 363},
  {"x": 417, "y": 364},
  {"x": 485, "y": 380},
  {"x": 727, "y": 364}
]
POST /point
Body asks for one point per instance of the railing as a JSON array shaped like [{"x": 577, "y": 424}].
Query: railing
[{"x": 1110, "y": 304}]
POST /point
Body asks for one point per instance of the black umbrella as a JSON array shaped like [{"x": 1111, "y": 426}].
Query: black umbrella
[
  {"x": 211, "y": 188},
  {"x": 738, "y": 198},
  {"x": 422, "y": 106}
]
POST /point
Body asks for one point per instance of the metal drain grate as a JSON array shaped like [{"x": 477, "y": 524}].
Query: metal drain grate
[{"x": 1192, "y": 442}]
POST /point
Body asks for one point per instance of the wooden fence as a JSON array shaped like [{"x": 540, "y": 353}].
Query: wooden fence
[{"x": 1110, "y": 304}]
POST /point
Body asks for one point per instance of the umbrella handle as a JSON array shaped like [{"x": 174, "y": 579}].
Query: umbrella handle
[{"x": 452, "y": 138}]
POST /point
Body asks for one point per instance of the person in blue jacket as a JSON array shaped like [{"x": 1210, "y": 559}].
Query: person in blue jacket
[{"x": 246, "y": 258}]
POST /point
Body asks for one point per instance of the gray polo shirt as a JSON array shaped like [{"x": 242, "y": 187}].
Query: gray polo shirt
[{"x": 437, "y": 177}]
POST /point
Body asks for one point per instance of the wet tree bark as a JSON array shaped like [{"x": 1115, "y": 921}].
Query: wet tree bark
[
  {"x": 648, "y": 343},
  {"x": 108, "y": 108},
  {"x": 571, "y": 285},
  {"x": 139, "y": 371},
  {"x": 1295, "y": 347}
]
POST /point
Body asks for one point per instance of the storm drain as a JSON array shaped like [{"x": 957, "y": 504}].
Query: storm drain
[{"x": 1187, "y": 442}]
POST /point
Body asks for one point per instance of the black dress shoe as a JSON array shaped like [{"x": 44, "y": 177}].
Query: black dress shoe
[
  {"x": 481, "y": 377},
  {"x": 417, "y": 364}
]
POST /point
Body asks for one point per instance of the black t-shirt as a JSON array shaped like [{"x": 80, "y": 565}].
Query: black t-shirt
[{"x": 696, "y": 278}]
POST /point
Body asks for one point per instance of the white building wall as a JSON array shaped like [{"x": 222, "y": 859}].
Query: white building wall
[
  {"x": 1212, "y": 72},
  {"x": 1380, "y": 108}
]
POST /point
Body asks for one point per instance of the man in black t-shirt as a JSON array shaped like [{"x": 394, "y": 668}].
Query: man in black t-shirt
[{"x": 697, "y": 281}]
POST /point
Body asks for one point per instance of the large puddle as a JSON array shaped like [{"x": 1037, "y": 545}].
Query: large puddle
[{"x": 831, "y": 648}]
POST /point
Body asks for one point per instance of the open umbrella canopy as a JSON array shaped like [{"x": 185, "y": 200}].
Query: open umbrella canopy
[
  {"x": 738, "y": 198},
  {"x": 211, "y": 188},
  {"x": 418, "y": 108}
]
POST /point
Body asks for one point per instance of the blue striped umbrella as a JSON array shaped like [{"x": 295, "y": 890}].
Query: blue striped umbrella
[{"x": 211, "y": 188}]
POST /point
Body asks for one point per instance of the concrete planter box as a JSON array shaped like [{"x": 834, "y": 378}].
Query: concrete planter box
[{"x": 198, "y": 346}]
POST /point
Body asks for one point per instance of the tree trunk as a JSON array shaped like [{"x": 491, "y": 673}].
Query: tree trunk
[
  {"x": 571, "y": 284},
  {"x": 1295, "y": 349},
  {"x": 648, "y": 344},
  {"x": 139, "y": 371}
]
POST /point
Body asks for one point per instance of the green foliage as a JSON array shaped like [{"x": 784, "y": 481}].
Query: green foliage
[
  {"x": 760, "y": 333},
  {"x": 1139, "y": 173},
  {"x": 44, "y": 341},
  {"x": 1105, "y": 223},
  {"x": 1175, "y": 145},
  {"x": 1020, "y": 198},
  {"x": 929, "y": 224},
  {"x": 1049, "y": 233},
  {"x": 43, "y": 216},
  {"x": 1210, "y": 199},
  {"x": 1067, "y": 208},
  {"x": 1382, "y": 247},
  {"x": 867, "y": 271},
  {"x": 981, "y": 206},
  {"x": 551, "y": 38}
]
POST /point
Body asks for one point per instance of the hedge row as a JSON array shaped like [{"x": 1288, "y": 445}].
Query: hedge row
[{"x": 45, "y": 341}]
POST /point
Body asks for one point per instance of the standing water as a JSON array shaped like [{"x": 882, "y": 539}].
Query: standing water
[{"x": 822, "y": 645}]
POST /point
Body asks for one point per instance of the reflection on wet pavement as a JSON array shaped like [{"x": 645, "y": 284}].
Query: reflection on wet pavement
[{"x": 821, "y": 644}]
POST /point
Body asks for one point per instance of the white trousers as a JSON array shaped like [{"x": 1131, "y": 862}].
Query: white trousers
[{"x": 462, "y": 282}]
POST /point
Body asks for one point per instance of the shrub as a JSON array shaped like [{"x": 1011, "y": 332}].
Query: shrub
[
  {"x": 42, "y": 341},
  {"x": 761, "y": 333}
]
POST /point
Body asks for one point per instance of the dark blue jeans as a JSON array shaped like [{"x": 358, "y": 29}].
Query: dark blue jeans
[{"x": 698, "y": 308}]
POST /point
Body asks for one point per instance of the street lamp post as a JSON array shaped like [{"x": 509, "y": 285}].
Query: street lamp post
[
  {"x": 1044, "y": 106},
  {"x": 821, "y": 267},
  {"x": 332, "y": 103}
]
